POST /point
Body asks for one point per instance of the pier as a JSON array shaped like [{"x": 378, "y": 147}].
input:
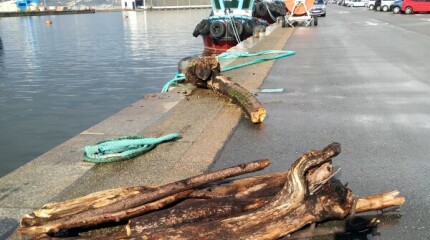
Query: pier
[{"x": 45, "y": 13}]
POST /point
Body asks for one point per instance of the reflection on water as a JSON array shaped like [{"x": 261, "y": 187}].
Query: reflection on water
[
  {"x": 1, "y": 49},
  {"x": 1, "y": 59},
  {"x": 137, "y": 24},
  {"x": 57, "y": 80}
]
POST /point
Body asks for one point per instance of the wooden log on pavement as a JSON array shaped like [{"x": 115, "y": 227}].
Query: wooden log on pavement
[
  {"x": 245, "y": 99},
  {"x": 293, "y": 207},
  {"x": 56, "y": 210},
  {"x": 205, "y": 73},
  {"x": 193, "y": 210},
  {"x": 132, "y": 205},
  {"x": 222, "y": 201}
]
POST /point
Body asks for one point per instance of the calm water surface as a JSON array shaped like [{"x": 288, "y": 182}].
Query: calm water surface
[{"x": 58, "y": 80}]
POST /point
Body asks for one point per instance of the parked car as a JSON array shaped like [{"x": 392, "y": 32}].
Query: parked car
[
  {"x": 396, "y": 6},
  {"x": 319, "y": 8},
  {"x": 385, "y": 5},
  {"x": 377, "y": 5},
  {"x": 346, "y": 3},
  {"x": 371, "y": 4},
  {"x": 411, "y": 6},
  {"x": 357, "y": 3}
]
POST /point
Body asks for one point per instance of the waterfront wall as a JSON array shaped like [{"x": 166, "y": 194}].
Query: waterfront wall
[
  {"x": 176, "y": 3},
  {"x": 21, "y": 14}
]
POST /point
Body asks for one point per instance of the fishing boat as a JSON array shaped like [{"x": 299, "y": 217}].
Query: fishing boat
[{"x": 232, "y": 21}]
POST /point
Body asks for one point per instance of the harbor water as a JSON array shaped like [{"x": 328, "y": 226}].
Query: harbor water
[{"x": 56, "y": 80}]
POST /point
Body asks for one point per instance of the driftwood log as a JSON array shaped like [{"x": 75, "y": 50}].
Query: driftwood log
[
  {"x": 119, "y": 204},
  {"x": 205, "y": 73},
  {"x": 293, "y": 207},
  {"x": 269, "y": 206}
]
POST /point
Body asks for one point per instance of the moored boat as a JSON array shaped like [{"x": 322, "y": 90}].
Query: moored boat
[{"x": 232, "y": 21}]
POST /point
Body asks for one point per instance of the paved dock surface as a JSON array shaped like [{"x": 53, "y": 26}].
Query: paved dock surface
[{"x": 360, "y": 78}]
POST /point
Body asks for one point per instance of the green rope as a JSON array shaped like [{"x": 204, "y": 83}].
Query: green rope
[
  {"x": 280, "y": 54},
  {"x": 178, "y": 77},
  {"x": 123, "y": 148}
]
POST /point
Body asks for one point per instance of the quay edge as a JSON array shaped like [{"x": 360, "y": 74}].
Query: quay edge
[
  {"x": 45, "y": 13},
  {"x": 204, "y": 119}
]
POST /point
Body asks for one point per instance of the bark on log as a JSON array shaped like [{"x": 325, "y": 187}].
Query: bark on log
[
  {"x": 193, "y": 210},
  {"x": 52, "y": 211},
  {"x": 266, "y": 185},
  {"x": 132, "y": 205},
  {"x": 205, "y": 73},
  {"x": 379, "y": 201},
  {"x": 73, "y": 221},
  {"x": 246, "y": 100}
]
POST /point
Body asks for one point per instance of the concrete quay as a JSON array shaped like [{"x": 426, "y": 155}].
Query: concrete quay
[
  {"x": 204, "y": 119},
  {"x": 45, "y": 13}
]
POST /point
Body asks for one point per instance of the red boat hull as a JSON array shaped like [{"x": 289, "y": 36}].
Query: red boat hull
[{"x": 219, "y": 45}]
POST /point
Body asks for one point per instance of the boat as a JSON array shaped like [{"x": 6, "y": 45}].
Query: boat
[
  {"x": 24, "y": 5},
  {"x": 232, "y": 21},
  {"x": 269, "y": 10}
]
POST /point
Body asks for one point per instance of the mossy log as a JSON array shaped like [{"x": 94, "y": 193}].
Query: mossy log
[
  {"x": 59, "y": 216},
  {"x": 205, "y": 73}
]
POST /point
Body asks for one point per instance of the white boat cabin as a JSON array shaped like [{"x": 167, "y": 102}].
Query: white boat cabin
[{"x": 232, "y": 7}]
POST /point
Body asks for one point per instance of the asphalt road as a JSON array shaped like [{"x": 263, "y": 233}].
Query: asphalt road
[{"x": 360, "y": 78}]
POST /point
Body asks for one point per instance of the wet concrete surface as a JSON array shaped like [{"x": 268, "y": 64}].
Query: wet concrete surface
[{"x": 360, "y": 78}]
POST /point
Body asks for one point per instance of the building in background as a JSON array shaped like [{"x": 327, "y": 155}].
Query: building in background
[
  {"x": 132, "y": 4},
  {"x": 164, "y": 4},
  {"x": 8, "y": 6}
]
